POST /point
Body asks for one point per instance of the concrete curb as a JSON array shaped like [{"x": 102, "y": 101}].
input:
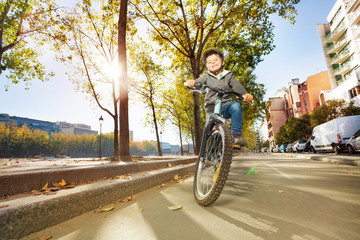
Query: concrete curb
[
  {"x": 339, "y": 159},
  {"x": 15, "y": 183},
  {"x": 30, "y": 214}
]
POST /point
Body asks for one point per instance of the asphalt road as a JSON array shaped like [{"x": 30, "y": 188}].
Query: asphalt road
[{"x": 266, "y": 197}]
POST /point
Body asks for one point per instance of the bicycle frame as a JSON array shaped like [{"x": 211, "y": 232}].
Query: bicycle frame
[{"x": 211, "y": 120}]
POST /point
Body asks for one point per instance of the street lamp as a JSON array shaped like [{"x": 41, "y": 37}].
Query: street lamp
[{"x": 101, "y": 120}]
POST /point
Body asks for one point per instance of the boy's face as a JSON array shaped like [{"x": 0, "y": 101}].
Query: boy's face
[{"x": 214, "y": 62}]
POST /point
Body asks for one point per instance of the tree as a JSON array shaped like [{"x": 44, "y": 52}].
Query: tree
[
  {"x": 185, "y": 28},
  {"x": 92, "y": 58},
  {"x": 333, "y": 109},
  {"x": 148, "y": 84},
  {"x": 175, "y": 108},
  {"x": 294, "y": 129},
  {"x": 20, "y": 22},
  {"x": 123, "y": 105}
]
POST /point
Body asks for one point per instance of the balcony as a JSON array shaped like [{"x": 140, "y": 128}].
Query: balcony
[
  {"x": 346, "y": 67},
  {"x": 336, "y": 34},
  {"x": 356, "y": 32},
  {"x": 341, "y": 57},
  {"x": 337, "y": 46},
  {"x": 354, "y": 17},
  {"x": 351, "y": 5}
]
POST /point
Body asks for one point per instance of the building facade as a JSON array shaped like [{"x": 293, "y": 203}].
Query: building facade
[
  {"x": 49, "y": 127},
  {"x": 295, "y": 100},
  {"x": 340, "y": 40},
  {"x": 276, "y": 117},
  {"x": 310, "y": 91}
]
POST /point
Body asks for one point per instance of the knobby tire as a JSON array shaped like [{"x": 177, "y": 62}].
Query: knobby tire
[{"x": 223, "y": 157}]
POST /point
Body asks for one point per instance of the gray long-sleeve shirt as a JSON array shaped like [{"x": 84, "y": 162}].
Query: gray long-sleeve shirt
[{"x": 226, "y": 81}]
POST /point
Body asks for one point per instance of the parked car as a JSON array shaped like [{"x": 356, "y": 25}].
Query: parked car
[
  {"x": 332, "y": 135},
  {"x": 307, "y": 145},
  {"x": 289, "y": 147},
  {"x": 353, "y": 145},
  {"x": 282, "y": 148},
  {"x": 299, "y": 146}
]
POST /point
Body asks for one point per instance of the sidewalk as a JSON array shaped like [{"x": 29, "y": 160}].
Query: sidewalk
[{"x": 24, "y": 211}]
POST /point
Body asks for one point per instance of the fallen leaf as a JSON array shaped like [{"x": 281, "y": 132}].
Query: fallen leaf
[
  {"x": 174, "y": 208},
  {"x": 281, "y": 191},
  {"x": 141, "y": 209},
  {"x": 128, "y": 199},
  {"x": 98, "y": 210},
  {"x": 45, "y": 237},
  {"x": 62, "y": 183},
  {"x": 4, "y": 206},
  {"x": 176, "y": 177},
  {"x": 44, "y": 187},
  {"x": 108, "y": 208}
]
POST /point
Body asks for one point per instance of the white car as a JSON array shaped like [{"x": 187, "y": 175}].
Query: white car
[
  {"x": 299, "y": 146},
  {"x": 353, "y": 145}
]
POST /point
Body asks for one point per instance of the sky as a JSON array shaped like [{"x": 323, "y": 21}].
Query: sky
[{"x": 298, "y": 54}]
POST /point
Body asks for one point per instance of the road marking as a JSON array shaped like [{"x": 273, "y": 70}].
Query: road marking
[{"x": 283, "y": 174}]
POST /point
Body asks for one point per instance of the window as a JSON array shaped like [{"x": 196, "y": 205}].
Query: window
[{"x": 355, "y": 91}]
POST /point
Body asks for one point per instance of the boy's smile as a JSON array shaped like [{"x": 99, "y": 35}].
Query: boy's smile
[{"x": 214, "y": 63}]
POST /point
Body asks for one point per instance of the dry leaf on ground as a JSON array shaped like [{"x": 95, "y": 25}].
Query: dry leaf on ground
[
  {"x": 4, "y": 206},
  {"x": 45, "y": 237},
  {"x": 281, "y": 191},
  {"x": 44, "y": 187},
  {"x": 62, "y": 183},
  {"x": 106, "y": 208},
  {"x": 173, "y": 208}
]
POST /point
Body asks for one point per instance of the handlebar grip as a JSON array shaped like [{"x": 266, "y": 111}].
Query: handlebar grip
[{"x": 198, "y": 85}]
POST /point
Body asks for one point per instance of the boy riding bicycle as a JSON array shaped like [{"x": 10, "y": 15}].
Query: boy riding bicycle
[{"x": 224, "y": 79}]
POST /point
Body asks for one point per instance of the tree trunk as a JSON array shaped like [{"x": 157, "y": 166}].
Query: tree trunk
[
  {"x": 116, "y": 125},
  {"x": 123, "y": 106},
  {"x": 156, "y": 129},
  {"x": 181, "y": 144},
  {"x": 197, "y": 116}
]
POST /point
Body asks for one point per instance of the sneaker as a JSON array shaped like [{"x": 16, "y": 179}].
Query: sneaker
[{"x": 239, "y": 140}]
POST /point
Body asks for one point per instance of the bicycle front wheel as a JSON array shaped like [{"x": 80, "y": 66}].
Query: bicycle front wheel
[{"x": 213, "y": 168}]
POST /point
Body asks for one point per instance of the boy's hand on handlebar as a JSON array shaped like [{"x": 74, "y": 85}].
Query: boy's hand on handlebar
[
  {"x": 190, "y": 84},
  {"x": 248, "y": 97}
]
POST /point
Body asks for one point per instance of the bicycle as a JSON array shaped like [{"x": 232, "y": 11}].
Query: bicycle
[{"x": 216, "y": 151}]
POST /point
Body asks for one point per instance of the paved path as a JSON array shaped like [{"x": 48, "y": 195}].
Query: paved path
[{"x": 266, "y": 197}]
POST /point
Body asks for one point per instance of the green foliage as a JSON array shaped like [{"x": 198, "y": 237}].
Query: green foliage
[
  {"x": 184, "y": 29},
  {"x": 333, "y": 109},
  {"x": 22, "y": 24},
  {"x": 294, "y": 129},
  {"x": 22, "y": 141}
]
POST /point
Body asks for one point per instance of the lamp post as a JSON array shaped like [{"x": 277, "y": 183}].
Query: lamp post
[{"x": 101, "y": 122}]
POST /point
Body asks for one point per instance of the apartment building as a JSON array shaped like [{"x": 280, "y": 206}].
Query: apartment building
[
  {"x": 295, "y": 100},
  {"x": 276, "y": 117},
  {"x": 340, "y": 40},
  {"x": 311, "y": 90}
]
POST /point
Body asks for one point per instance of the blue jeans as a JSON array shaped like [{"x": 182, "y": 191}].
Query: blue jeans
[{"x": 234, "y": 111}]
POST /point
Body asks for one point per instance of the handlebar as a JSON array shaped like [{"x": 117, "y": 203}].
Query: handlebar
[{"x": 199, "y": 85}]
